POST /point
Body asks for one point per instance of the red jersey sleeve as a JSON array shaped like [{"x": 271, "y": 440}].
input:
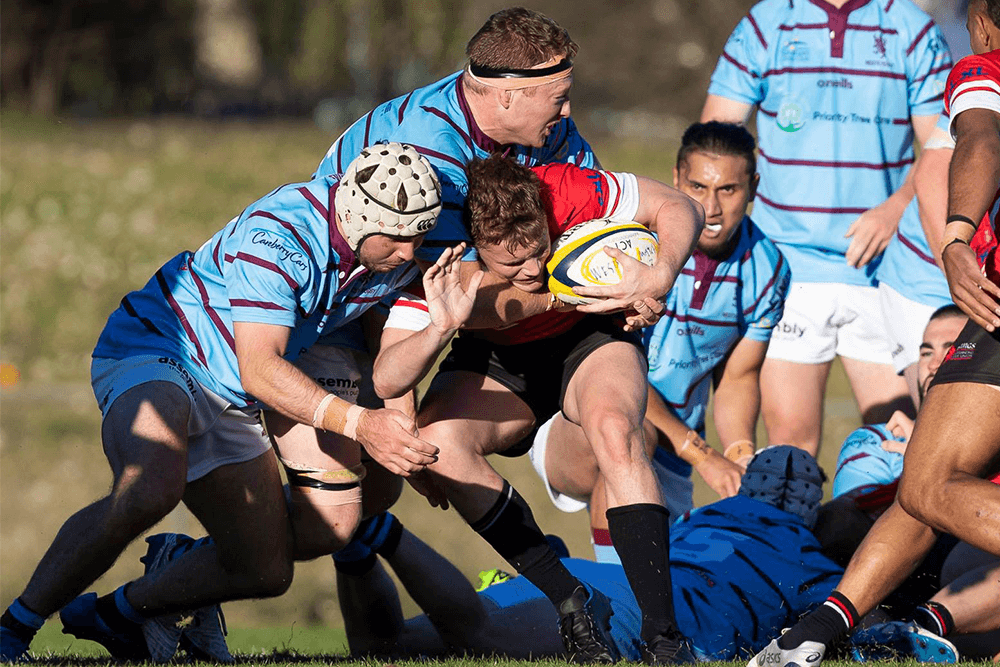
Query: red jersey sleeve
[
  {"x": 974, "y": 83},
  {"x": 572, "y": 195}
]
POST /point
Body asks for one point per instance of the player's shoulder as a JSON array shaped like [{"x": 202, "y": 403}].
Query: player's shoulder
[
  {"x": 756, "y": 249},
  {"x": 768, "y": 16},
  {"x": 905, "y": 14},
  {"x": 560, "y": 174},
  {"x": 301, "y": 210},
  {"x": 982, "y": 66}
]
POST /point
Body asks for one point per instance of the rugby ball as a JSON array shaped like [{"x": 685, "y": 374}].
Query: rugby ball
[{"x": 578, "y": 258}]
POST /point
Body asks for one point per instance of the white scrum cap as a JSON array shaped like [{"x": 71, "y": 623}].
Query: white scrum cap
[{"x": 388, "y": 189}]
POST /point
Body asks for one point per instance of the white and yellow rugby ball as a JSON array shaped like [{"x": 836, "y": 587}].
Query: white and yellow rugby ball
[{"x": 578, "y": 257}]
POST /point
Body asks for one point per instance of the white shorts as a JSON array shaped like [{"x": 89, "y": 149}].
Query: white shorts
[
  {"x": 824, "y": 320},
  {"x": 677, "y": 489},
  {"x": 218, "y": 432},
  {"x": 905, "y": 321},
  {"x": 344, "y": 372}
]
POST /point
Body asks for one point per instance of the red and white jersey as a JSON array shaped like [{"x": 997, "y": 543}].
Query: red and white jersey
[
  {"x": 974, "y": 83},
  {"x": 571, "y": 195}
]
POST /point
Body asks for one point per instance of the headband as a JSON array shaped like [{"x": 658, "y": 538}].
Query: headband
[{"x": 556, "y": 69}]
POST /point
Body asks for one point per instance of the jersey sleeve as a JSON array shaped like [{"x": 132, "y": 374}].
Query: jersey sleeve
[
  {"x": 739, "y": 73},
  {"x": 974, "y": 83},
  {"x": 927, "y": 65},
  {"x": 274, "y": 264},
  {"x": 409, "y": 311},
  {"x": 768, "y": 302},
  {"x": 575, "y": 195}
]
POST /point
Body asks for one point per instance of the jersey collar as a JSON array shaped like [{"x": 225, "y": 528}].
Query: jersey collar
[
  {"x": 836, "y": 19},
  {"x": 347, "y": 259}
]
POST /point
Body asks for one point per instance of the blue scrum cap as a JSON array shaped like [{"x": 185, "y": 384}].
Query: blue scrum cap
[{"x": 788, "y": 478}]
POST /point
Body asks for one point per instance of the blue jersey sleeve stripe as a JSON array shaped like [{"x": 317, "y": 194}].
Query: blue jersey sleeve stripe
[
  {"x": 146, "y": 322},
  {"x": 440, "y": 156},
  {"x": 836, "y": 164},
  {"x": 264, "y": 264},
  {"x": 937, "y": 70},
  {"x": 446, "y": 118},
  {"x": 213, "y": 314},
  {"x": 287, "y": 225},
  {"x": 810, "y": 209},
  {"x": 920, "y": 36},
  {"x": 835, "y": 70},
  {"x": 907, "y": 243},
  {"x": 740, "y": 66},
  {"x": 756, "y": 29},
  {"x": 179, "y": 312},
  {"x": 316, "y": 204},
  {"x": 264, "y": 305},
  {"x": 402, "y": 108}
]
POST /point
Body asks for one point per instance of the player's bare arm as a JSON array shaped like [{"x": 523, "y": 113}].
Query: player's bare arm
[
  {"x": 726, "y": 110},
  {"x": 406, "y": 356},
  {"x": 874, "y": 228},
  {"x": 930, "y": 176},
  {"x": 722, "y": 476},
  {"x": 972, "y": 179},
  {"x": 677, "y": 220},
  {"x": 388, "y": 435},
  {"x": 737, "y": 399}
]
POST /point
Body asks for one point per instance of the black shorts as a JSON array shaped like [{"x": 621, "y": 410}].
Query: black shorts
[
  {"x": 975, "y": 357},
  {"x": 537, "y": 372}
]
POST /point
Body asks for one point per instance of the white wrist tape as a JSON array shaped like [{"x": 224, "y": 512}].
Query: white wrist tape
[
  {"x": 351, "y": 421},
  {"x": 321, "y": 410}
]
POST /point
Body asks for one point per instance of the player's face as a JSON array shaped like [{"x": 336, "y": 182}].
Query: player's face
[
  {"x": 533, "y": 114},
  {"x": 939, "y": 336},
  {"x": 723, "y": 186},
  {"x": 381, "y": 253},
  {"x": 523, "y": 267}
]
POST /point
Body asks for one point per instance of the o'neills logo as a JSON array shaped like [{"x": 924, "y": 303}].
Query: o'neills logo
[
  {"x": 835, "y": 83},
  {"x": 286, "y": 252}
]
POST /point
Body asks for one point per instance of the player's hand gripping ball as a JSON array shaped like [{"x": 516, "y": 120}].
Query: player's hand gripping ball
[{"x": 578, "y": 257}]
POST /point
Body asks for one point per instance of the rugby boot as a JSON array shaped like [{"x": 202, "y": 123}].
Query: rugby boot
[
  {"x": 585, "y": 627},
  {"x": 492, "y": 577},
  {"x": 895, "y": 640},
  {"x": 806, "y": 654},
  {"x": 13, "y": 647},
  {"x": 202, "y": 633},
  {"x": 670, "y": 648},
  {"x": 80, "y": 619}
]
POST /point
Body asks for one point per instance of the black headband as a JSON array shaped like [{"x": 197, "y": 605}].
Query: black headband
[{"x": 485, "y": 72}]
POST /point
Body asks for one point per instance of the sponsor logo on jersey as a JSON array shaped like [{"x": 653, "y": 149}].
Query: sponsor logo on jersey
[
  {"x": 961, "y": 352},
  {"x": 285, "y": 247},
  {"x": 693, "y": 330},
  {"x": 795, "y": 51},
  {"x": 835, "y": 83},
  {"x": 180, "y": 370},
  {"x": 790, "y": 330},
  {"x": 791, "y": 116}
]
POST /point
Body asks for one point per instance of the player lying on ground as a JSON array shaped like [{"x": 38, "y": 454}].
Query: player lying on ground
[
  {"x": 180, "y": 372},
  {"x": 741, "y": 567},
  {"x": 496, "y": 385},
  {"x": 714, "y": 332}
]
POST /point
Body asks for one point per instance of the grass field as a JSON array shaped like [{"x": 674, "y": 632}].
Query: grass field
[{"x": 88, "y": 211}]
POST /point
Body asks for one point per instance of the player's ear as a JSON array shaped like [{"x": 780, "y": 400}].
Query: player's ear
[
  {"x": 506, "y": 97},
  {"x": 754, "y": 182},
  {"x": 677, "y": 177}
]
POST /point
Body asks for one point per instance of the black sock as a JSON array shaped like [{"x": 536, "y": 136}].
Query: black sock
[
  {"x": 641, "y": 536},
  {"x": 828, "y": 623},
  {"x": 107, "y": 609},
  {"x": 935, "y": 617},
  {"x": 510, "y": 528}
]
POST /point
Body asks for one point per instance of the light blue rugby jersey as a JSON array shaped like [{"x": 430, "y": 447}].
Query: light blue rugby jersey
[
  {"x": 711, "y": 307},
  {"x": 908, "y": 264},
  {"x": 282, "y": 262},
  {"x": 835, "y": 91},
  {"x": 437, "y": 122},
  {"x": 741, "y": 570},
  {"x": 863, "y": 464}
]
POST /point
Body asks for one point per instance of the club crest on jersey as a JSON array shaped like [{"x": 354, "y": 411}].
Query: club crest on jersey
[{"x": 879, "y": 46}]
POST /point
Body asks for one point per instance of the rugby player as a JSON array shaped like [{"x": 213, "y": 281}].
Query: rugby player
[
  {"x": 957, "y": 435},
  {"x": 496, "y": 385},
  {"x": 715, "y": 330},
  {"x": 841, "y": 88},
  {"x": 513, "y": 97},
  {"x": 742, "y": 566},
  {"x": 180, "y": 372}
]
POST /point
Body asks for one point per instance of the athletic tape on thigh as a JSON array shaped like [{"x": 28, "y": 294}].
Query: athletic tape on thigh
[{"x": 324, "y": 487}]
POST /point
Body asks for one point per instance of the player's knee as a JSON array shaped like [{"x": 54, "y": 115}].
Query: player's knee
[
  {"x": 137, "y": 505},
  {"x": 273, "y": 580},
  {"x": 616, "y": 438},
  {"x": 921, "y": 498}
]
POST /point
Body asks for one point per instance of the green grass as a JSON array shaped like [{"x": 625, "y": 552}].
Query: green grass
[{"x": 88, "y": 210}]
